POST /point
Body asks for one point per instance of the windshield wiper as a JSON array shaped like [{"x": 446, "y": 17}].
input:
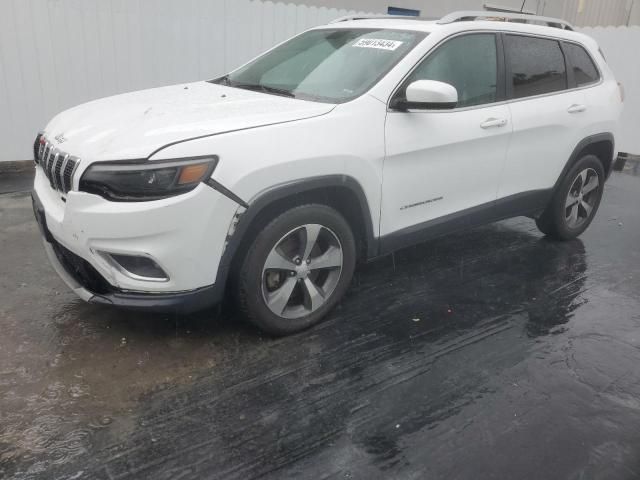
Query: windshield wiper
[
  {"x": 224, "y": 80},
  {"x": 256, "y": 87}
]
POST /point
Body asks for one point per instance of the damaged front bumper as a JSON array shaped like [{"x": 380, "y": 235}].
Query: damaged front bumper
[{"x": 88, "y": 284}]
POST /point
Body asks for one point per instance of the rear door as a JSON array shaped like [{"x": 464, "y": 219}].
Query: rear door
[{"x": 549, "y": 116}]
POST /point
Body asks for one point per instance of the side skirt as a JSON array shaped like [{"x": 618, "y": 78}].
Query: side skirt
[{"x": 521, "y": 204}]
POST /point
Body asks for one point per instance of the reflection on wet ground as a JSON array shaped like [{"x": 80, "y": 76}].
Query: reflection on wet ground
[{"x": 488, "y": 354}]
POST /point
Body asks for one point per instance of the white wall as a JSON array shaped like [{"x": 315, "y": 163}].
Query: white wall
[
  {"x": 58, "y": 53},
  {"x": 621, "y": 46}
]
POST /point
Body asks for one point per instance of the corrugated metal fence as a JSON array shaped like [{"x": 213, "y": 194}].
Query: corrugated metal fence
[
  {"x": 589, "y": 13},
  {"x": 58, "y": 53}
]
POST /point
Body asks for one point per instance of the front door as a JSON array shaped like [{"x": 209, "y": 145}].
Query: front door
[{"x": 441, "y": 163}]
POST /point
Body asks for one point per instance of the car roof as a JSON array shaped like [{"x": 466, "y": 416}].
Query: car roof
[
  {"x": 391, "y": 24},
  {"x": 451, "y": 27}
]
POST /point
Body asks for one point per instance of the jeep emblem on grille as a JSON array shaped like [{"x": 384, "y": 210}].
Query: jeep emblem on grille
[{"x": 60, "y": 138}]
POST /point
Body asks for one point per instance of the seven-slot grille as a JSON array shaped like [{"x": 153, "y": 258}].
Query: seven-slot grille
[{"x": 57, "y": 166}]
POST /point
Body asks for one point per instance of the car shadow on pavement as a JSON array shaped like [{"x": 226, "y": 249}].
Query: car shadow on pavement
[{"x": 478, "y": 269}]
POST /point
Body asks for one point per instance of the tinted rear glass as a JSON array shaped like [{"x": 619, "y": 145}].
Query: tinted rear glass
[
  {"x": 537, "y": 65},
  {"x": 584, "y": 71}
]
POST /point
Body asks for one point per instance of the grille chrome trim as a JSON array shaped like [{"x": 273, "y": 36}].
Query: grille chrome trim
[
  {"x": 52, "y": 178},
  {"x": 64, "y": 187},
  {"x": 45, "y": 155},
  {"x": 57, "y": 170},
  {"x": 58, "y": 166},
  {"x": 72, "y": 165}
]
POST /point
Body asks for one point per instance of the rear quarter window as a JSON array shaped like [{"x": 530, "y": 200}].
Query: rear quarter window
[{"x": 584, "y": 70}]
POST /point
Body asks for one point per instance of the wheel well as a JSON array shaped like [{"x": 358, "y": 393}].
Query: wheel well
[
  {"x": 341, "y": 198},
  {"x": 603, "y": 150}
]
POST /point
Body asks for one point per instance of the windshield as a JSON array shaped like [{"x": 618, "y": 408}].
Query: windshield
[{"x": 325, "y": 65}]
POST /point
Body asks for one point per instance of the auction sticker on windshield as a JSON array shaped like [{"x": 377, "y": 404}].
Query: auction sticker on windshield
[{"x": 377, "y": 43}]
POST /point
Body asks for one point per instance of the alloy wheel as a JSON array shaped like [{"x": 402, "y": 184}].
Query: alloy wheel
[
  {"x": 582, "y": 198},
  {"x": 301, "y": 271}
]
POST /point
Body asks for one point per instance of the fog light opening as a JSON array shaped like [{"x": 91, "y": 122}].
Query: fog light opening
[{"x": 138, "y": 267}]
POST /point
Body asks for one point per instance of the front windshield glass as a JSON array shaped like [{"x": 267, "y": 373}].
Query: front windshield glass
[{"x": 325, "y": 65}]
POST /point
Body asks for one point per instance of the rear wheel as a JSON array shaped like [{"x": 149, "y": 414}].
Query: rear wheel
[
  {"x": 576, "y": 201},
  {"x": 298, "y": 268}
]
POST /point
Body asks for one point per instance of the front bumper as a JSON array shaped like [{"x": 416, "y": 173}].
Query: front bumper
[
  {"x": 180, "y": 233},
  {"x": 80, "y": 277}
]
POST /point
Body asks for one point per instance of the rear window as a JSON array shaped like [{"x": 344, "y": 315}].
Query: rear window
[
  {"x": 584, "y": 70},
  {"x": 536, "y": 64}
]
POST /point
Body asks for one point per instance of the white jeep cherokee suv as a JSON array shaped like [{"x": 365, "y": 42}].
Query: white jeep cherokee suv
[{"x": 344, "y": 143}]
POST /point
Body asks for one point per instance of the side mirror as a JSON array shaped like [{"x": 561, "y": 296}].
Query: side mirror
[{"x": 427, "y": 95}]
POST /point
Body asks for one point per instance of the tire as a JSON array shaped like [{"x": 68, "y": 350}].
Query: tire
[
  {"x": 287, "y": 282},
  {"x": 575, "y": 202}
]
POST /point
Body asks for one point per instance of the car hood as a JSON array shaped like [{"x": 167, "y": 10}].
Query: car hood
[{"x": 134, "y": 125}]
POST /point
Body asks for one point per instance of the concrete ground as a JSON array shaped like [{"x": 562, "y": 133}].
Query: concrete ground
[{"x": 488, "y": 354}]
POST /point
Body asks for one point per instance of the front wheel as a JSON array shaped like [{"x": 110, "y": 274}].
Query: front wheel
[
  {"x": 297, "y": 269},
  {"x": 576, "y": 201}
]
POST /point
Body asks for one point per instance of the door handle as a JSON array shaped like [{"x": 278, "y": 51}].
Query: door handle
[
  {"x": 493, "y": 122},
  {"x": 575, "y": 108}
]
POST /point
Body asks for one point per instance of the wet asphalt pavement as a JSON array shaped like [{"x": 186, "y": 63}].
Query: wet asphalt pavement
[{"x": 493, "y": 353}]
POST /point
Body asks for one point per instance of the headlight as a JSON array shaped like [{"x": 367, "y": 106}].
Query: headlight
[{"x": 146, "y": 180}]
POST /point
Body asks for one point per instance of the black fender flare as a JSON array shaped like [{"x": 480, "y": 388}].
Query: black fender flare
[
  {"x": 261, "y": 201},
  {"x": 575, "y": 155}
]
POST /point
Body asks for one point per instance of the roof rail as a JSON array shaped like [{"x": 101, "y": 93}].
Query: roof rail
[
  {"x": 464, "y": 16},
  {"x": 376, "y": 17}
]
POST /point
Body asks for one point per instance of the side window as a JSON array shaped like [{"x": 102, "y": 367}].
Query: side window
[
  {"x": 469, "y": 63},
  {"x": 537, "y": 65},
  {"x": 584, "y": 71}
]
